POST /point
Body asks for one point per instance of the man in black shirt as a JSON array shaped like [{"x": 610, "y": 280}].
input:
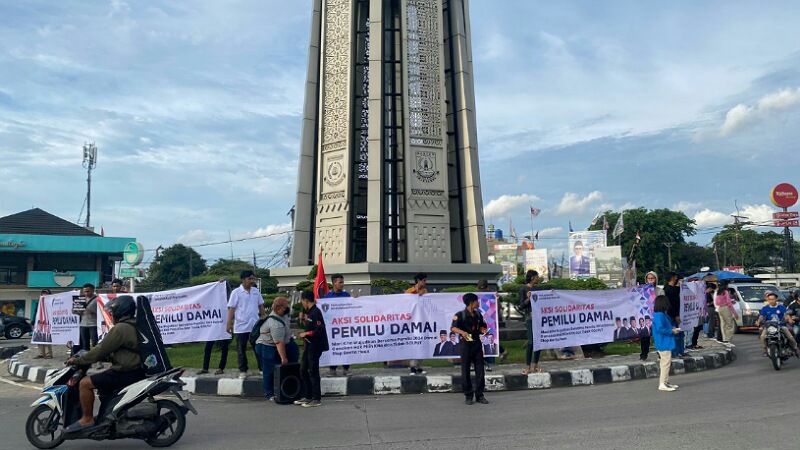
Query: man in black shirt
[
  {"x": 316, "y": 342},
  {"x": 470, "y": 325}
]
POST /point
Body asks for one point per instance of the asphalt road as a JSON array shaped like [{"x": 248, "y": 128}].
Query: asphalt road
[{"x": 744, "y": 405}]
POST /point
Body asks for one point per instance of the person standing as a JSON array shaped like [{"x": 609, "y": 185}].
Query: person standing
[
  {"x": 673, "y": 292},
  {"x": 664, "y": 333},
  {"x": 337, "y": 280},
  {"x": 117, "y": 287},
  {"x": 483, "y": 286},
  {"x": 711, "y": 311},
  {"x": 419, "y": 288},
  {"x": 245, "y": 306},
  {"x": 531, "y": 280},
  {"x": 224, "y": 344},
  {"x": 45, "y": 350},
  {"x": 275, "y": 344},
  {"x": 315, "y": 337},
  {"x": 793, "y": 311},
  {"x": 727, "y": 315},
  {"x": 644, "y": 342},
  {"x": 470, "y": 325}
]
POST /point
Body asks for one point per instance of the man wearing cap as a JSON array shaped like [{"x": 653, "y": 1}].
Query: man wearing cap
[{"x": 469, "y": 324}]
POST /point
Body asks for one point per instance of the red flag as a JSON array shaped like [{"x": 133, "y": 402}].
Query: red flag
[{"x": 320, "y": 283}]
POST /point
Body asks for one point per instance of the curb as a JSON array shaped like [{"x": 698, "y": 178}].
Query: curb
[{"x": 388, "y": 385}]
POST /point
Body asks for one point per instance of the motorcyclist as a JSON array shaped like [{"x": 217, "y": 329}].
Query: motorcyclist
[
  {"x": 121, "y": 344},
  {"x": 775, "y": 312},
  {"x": 793, "y": 311}
]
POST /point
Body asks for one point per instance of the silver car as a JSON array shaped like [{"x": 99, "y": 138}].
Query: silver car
[{"x": 749, "y": 299}]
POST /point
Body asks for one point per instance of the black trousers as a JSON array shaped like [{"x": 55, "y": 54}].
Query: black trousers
[
  {"x": 712, "y": 323},
  {"x": 472, "y": 354},
  {"x": 645, "y": 346},
  {"x": 223, "y": 347},
  {"x": 242, "y": 339},
  {"x": 696, "y": 333},
  {"x": 309, "y": 374},
  {"x": 88, "y": 337}
]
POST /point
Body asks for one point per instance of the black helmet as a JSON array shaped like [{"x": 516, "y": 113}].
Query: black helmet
[
  {"x": 796, "y": 293},
  {"x": 122, "y": 306}
]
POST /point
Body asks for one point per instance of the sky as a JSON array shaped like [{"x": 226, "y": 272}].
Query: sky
[{"x": 195, "y": 107}]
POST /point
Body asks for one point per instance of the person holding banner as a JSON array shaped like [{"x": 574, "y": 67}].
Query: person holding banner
[
  {"x": 469, "y": 324},
  {"x": 420, "y": 281},
  {"x": 531, "y": 279},
  {"x": 337, "y": 281},
  {"x": 245, "y": 306},
  {"x": 315, "y": 337},
  {"x": 673, "y": 293},
  {"x": 665, "y": 339}
]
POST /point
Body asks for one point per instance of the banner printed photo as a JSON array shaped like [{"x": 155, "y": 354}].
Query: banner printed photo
[
  {"x": 402, "y": 326},
  {"x": 693, "y": 300},
  {"x": 574, "y": 318},
  {"x": 55, "y": 323},
  {"x": 193, "y": 314}
]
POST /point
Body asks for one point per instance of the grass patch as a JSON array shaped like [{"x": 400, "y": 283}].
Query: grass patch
[{"x": 191, "y": 355}]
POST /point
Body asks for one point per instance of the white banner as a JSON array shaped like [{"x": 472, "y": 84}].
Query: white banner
[
  {"x": 55, "y": 323},
  {"x": 403, "y": 326},
  {"x": 693, "y": 297},
  {"x": 193, "y": 314},
  {"x": 573, "y": 318}
]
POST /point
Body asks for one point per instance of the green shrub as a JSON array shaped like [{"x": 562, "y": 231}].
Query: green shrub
[
  {"x": 467, "y": 288},
  {"x": 388, "y": 286}
]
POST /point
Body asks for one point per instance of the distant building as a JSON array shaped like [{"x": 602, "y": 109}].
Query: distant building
[{"x": 39, "y": 250}]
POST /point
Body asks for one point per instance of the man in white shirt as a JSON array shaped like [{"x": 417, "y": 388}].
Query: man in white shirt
[{"x": 245, "y": 306}]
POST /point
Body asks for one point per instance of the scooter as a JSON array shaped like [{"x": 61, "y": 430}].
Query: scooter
[
  {"x": 132, "y": 412},
  {"x": 778, "y": 347}
]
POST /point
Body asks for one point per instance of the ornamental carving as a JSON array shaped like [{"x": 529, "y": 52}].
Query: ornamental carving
[
  {"x": 336, "y": 70},
  {"x": 424, "y": 69}
]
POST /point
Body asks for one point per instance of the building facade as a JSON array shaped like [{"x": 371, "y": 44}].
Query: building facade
[{"x": 41, "y": 251}]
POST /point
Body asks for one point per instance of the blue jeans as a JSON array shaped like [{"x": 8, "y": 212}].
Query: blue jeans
[
  {"x": 269, "y": 357},
  {"x": 679, "y": 343}
]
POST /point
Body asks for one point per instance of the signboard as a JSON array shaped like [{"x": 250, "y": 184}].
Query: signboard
[
  {"x": 737, "y": 269},
  {"x": 783, "y": 195},
  {"x": 56, "y": 279},
  {"x": 785, "y": 215},
  {"x": 11, "y": 244},
  {"x": 582, "y": 244},
  {"x": 537, "y": 260},
  {"x": 786, "y": 223},
  {"x": 608, "y": 263},
  {"x": 128, "y": 272},
  {"x": 506, "y": 255},
  {"x": 133, "y": 253}
]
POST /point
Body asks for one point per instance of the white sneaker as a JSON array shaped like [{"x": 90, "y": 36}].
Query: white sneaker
[
  {"x": 242, "y": 375},
  {"x": 728, "y": 344},
  {"x": 672, "y": 385},
  {"x": 666, "y": 387}
]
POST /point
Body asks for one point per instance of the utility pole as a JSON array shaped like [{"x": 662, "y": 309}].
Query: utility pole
[
  {"x": 736, "y": 218},
  {"x": 89, "y": 163},
  {"x": 255, "y": 265},
  {"x": 669, "y": 254},
  {"x": 716, "y": 255}
]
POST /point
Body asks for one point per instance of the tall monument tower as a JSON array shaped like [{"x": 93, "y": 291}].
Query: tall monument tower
[{"x": 388, "y": 179}]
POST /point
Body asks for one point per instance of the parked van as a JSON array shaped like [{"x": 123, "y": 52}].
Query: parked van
[{"x": 748, "y": 301}]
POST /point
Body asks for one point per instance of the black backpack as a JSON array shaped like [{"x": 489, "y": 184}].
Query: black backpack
[{"x": 255, "y": 333}]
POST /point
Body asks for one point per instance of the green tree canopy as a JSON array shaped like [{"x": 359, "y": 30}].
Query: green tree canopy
[
  {"x": 754, "y": 249},
  {"x": 656, "y": 227},
  {"x": 173, "y": 268}
]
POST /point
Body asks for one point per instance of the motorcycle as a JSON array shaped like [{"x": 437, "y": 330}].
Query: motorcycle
[
  {"x": 132, "y": 412},
  {"x": 778, "y": 347}
]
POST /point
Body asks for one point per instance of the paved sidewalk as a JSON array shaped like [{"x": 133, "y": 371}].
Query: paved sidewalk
[{"x": 569, "y": 373}]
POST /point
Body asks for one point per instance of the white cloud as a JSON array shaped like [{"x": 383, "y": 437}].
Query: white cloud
[
  {"x": 552, "y": 231},
  {"x": 709, "y": 218},
  {"x": 195, "y": 237},
  {"x": 741, "y": 116},
  {"x": 687, "y": 206},
  {"x": 268, "y": 231},
  {"x": 758, "y": 214},
  {"x": 505, "y": 205},
  {"x": 572, "y": 203}
]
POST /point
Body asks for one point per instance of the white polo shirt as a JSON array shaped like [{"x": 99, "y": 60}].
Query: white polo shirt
[{"x": 246, "y": 304}]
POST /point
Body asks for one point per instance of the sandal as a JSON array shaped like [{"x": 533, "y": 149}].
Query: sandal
[
  {"x": 526, "y": 370},
  {"x": 48, "y": 357},
  {"x": 538, "y": 370}
]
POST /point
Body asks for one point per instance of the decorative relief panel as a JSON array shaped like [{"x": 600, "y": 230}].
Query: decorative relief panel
[
  {"x": 336, "y": 69},
  {"x": 331, "y": 242},
  {"x": 424, "y": 72},
  {"x": 431, "y": 242}
]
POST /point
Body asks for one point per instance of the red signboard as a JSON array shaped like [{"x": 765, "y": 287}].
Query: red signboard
[
  {"x": 786, "y": 223},
  {"x": 783, "y": 195},
  {"x": 785, "y": 215}
]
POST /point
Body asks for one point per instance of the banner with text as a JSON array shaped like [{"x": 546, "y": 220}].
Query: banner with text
[
  {"x": 55, "y": 323},
  {"x": 573, "y": 318},
  {"x": 193, "y": 314},
  {"x": 693, "y": 300},
  {"x": 402, "y": 326}
]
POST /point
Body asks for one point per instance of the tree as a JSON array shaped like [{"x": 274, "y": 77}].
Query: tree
[
  {"x": 655, "y": 227},
  {"x": 754, "y": 249},
  {"x": 689, "y": 258},
  {"x": 173, "y": 268},
  {"x": 232, "y": 269}
]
